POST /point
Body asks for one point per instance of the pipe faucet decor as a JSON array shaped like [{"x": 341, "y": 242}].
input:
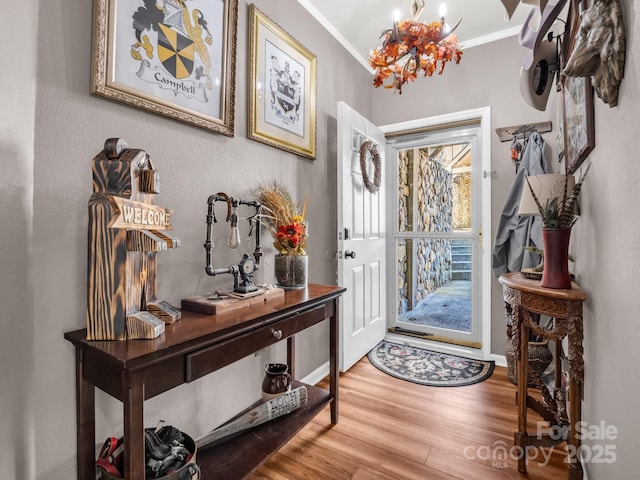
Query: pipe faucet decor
[{"x": 243, "y": 271}]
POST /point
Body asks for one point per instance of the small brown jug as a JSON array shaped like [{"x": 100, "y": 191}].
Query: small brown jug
[{"x": 277, "y": 380}]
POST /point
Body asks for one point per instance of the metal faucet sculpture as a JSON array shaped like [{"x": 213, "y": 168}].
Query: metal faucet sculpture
[{"x": 243, "y": 272}]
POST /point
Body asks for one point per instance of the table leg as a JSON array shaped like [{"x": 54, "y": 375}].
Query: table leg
[
  {"x": 291, "y": 356},
  {"x": 576, "y": 375},
  {"x": 134, "y": 458},
  {"x": 86, "y": 422},
  {"x": 575, "y": 467},
  {"x": 334, "y": 323},
  {"x": 521, "y": 438}
]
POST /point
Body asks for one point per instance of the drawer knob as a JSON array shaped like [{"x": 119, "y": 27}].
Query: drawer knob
[{"x": 277, "y": 334}]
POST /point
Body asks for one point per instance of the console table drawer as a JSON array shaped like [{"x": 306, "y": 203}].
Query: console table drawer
[{"x": 207, "y": 360}]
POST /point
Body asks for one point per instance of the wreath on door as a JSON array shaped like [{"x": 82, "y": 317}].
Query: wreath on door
[{"x": 368, "y": 147}]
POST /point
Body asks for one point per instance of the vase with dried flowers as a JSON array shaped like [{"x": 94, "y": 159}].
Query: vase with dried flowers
[
  {"x": 286, "y": 222},
  {"x": 558, "y": 212}
]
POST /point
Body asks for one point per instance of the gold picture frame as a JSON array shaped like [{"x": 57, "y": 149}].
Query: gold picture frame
[
  {"x": 282, "y": 88},
  {"x": 169, "y": 57}
]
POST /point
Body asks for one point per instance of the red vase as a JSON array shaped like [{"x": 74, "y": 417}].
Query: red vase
[{"x": 555, "y": 273}]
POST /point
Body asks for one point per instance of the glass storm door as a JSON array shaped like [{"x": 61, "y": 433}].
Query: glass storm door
[{"x": 437, "y": 237}]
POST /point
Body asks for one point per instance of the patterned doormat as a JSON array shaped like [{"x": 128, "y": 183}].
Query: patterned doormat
[{"x": 428, "y": 368}]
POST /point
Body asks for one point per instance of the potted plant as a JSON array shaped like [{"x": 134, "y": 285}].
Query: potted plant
[
  {"x": 286, "y": 222},
  {"x": 558, "y": 211}
]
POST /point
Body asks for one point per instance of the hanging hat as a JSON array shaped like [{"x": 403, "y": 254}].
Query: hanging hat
[
  {"x": 537, "y": 79},
  {"x": 510, "y": 6},
  {"x": 535, "y": 27},
  {"x": 540, "y": 4}
]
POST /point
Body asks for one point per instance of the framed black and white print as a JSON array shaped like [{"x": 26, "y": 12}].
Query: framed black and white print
[
  {"x": 282, "y": 88},
  {"x": 171, "y": 57}
]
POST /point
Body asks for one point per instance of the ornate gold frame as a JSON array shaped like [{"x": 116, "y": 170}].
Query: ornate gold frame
[
  {"x": 273, "y": 117},
  {"x": 213, "y": 106}
]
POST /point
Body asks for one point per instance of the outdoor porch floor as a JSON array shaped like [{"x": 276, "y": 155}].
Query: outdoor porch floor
[{"x": 447, "y": 307}]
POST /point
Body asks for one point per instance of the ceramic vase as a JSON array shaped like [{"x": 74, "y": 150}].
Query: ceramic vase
[
  {"x": 555, "y": 273},
  {"x": 291, "y": 271},
  {"x": 277, "y": 380},
  {"x": 540, "y": 357}
]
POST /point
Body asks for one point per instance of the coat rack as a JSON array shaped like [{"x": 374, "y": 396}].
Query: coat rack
[
  {"x": 518, "y": 134},
  {"x": 522, "y": 131}
]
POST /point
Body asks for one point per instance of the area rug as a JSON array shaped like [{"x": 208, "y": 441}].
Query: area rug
[{"x": 425, "y": 367}]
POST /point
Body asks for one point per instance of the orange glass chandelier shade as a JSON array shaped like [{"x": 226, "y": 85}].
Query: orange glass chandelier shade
[{"x": 425, "y": 49}]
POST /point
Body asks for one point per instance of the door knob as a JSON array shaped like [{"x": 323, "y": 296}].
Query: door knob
[{"x": 349, "y": 254}]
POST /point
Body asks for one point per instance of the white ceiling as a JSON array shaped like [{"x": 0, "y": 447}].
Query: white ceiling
[{"x": 358, "y": 23}]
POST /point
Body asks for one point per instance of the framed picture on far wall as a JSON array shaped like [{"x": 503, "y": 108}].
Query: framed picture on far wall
[
  {"x": 282, "y": 88},
  {"x": 578, "y": 125},
  {"x": 169, "y": 57},
  {"x": 577, "y": 102}
]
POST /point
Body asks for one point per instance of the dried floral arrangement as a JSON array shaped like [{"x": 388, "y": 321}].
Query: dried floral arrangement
[
  {"x": 559, "y": 210},
  {"x": 284, "y": 219},
  {"x": 428, "y": 50}
]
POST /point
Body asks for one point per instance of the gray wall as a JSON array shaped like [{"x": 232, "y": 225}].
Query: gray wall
[
  {"x": 17, "y": 114},
  {"x": 52, "y": 129}
]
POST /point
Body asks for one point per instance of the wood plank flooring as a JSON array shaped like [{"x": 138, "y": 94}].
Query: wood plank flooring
[{"x": 390, "y": 429}]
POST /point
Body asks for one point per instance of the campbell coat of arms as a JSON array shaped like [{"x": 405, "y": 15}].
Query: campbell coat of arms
[{"x": 172, "y": 46}]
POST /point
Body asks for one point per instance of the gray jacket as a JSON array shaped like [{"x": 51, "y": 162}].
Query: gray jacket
[{"x": 515, "y": 232}]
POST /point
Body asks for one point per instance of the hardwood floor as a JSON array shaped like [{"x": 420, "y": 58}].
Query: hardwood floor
[{"x": 390, "y": 429}]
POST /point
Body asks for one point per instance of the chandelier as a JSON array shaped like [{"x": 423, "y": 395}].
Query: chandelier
[{"x": 411, "y": 47}]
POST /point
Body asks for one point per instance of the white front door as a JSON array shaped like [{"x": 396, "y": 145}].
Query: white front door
[{"x": 361, "y": 238}]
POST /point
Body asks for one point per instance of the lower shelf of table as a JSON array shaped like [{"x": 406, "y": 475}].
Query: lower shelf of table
[{"x": 242, "y": 455}]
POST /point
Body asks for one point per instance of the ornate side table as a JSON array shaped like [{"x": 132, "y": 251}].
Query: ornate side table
[{"x": 523, "y": 298}]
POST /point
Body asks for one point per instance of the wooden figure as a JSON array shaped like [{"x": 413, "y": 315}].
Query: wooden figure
[{"x": 126, "y": 230}]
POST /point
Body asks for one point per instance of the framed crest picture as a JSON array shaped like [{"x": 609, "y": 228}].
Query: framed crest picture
[
  {"x": 171, "y": 57},
  {"x": 282, "y": 88}
]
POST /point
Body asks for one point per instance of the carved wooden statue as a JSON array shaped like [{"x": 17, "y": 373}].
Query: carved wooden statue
[
  {"x": 599, "y": 51},
  {"x": 126, "y": 230}
]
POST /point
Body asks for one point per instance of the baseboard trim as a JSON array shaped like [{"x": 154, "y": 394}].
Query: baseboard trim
[
  {"x": 317, "y": 375},
  {"x": 501, "y": 360}
]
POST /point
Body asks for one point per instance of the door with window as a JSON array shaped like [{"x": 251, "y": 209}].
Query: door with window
[{"x": 437, "y": 233}]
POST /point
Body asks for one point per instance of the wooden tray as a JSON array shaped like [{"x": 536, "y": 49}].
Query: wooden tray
[{"x": 214, "y": 305}]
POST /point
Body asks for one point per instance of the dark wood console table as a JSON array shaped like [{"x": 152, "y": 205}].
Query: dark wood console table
[
  {"x": 524, "y": 297},
  {"x": 135, "y": 370}
]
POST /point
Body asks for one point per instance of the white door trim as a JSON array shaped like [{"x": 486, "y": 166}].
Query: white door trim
[{"x": 482, "y": 114}]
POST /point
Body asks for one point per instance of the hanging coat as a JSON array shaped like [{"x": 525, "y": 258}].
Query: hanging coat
[{"x": 516, "y": 232}]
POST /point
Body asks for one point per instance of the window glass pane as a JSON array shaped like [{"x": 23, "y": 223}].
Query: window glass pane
[
  {"x": 434, "y": 188},
  {"x": 434, "y": 282}
]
